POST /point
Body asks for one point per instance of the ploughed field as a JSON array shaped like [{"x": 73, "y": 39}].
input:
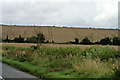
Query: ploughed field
[{"x": 58, "y": 34}]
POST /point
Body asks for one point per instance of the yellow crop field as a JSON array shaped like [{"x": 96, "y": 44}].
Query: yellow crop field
[{"x": 57, "y": 34}]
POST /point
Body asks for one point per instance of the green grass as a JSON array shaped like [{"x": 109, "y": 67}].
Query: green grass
[
  {"x": 39, "y": 71},
  {"x": 47, "y": 62}
]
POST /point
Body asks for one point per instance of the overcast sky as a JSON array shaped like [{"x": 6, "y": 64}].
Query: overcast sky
[{"x": 94, "y": 13}]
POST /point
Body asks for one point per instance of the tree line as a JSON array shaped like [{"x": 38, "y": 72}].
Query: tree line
[
  {"x": 103, "y": 41},
  {"x": 40, "y": 38}
]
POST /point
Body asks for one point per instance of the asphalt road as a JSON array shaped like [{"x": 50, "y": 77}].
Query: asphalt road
[{"x": 10, "y": 72}]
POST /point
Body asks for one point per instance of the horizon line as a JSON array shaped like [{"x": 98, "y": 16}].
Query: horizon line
[{"x": 58, "y": 26}]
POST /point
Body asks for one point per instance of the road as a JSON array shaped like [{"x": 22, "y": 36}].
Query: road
[{"x": 10, "y": 72}]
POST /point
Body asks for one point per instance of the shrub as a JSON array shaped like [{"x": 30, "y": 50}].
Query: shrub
[
  {"x": 104, "y": 53},
  {"x": 86, "y": 41},
  {"x": 40, "y": 38},
  {"x": 116, "y": 41},
  {"x": 76, "y": 40},
  {"x": 97, "y": 42},
  {"x": 31, "y": 39},
  {"x": 73, "y": 42},
  {"x": 47, "y": 41},
  {"x": 20, "y": 39},
  {"x": 105, "y": 41},
  {"x": 117, "y": 73}
]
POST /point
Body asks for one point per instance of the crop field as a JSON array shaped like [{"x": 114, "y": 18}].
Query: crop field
[{"x": 58, "y": 34}]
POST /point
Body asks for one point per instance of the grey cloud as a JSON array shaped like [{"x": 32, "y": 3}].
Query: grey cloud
[{"x": 73, "y": 14}]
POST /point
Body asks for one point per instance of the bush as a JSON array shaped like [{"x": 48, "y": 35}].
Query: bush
[
  {"x": 76, "y": 40},
  {"x": 73, "y": 42},
  {"x": 116, "y": 41},
  {"x": 20, "y": 39},
  {"x": 97, "y": 42},
  {"x": 47, "y": 41},
  {"x": 103, "y": 53},
  {"x": 105, "y": 41},
  {"x": 40, "y": 38},
  {"x": 117, "y": 73},
  {"x": 86, "y": 41},
  {"x": 31, "y": 39}
]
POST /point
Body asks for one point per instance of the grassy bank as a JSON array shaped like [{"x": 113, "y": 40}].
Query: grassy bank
[{"x": 47, "y": 62}]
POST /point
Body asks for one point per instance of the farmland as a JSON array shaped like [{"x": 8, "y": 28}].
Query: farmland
[
  {"x": 58, "y": 34},
  {"x": 53, "y": 60}
]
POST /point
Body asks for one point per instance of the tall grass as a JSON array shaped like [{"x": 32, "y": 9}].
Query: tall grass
[
  {"x": 90, "y": 68},
  {"x": 95, "y": 62}
]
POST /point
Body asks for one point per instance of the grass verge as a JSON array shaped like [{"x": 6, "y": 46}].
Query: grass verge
[
  {"x": 46, "y": 62},
  {"x": 38, "y": 71}
]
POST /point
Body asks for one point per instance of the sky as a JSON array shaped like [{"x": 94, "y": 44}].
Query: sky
[{"x": 76, "y": 13}]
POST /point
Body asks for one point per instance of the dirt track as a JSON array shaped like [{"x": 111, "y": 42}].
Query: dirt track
[{"x": 55, "y": 45}]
